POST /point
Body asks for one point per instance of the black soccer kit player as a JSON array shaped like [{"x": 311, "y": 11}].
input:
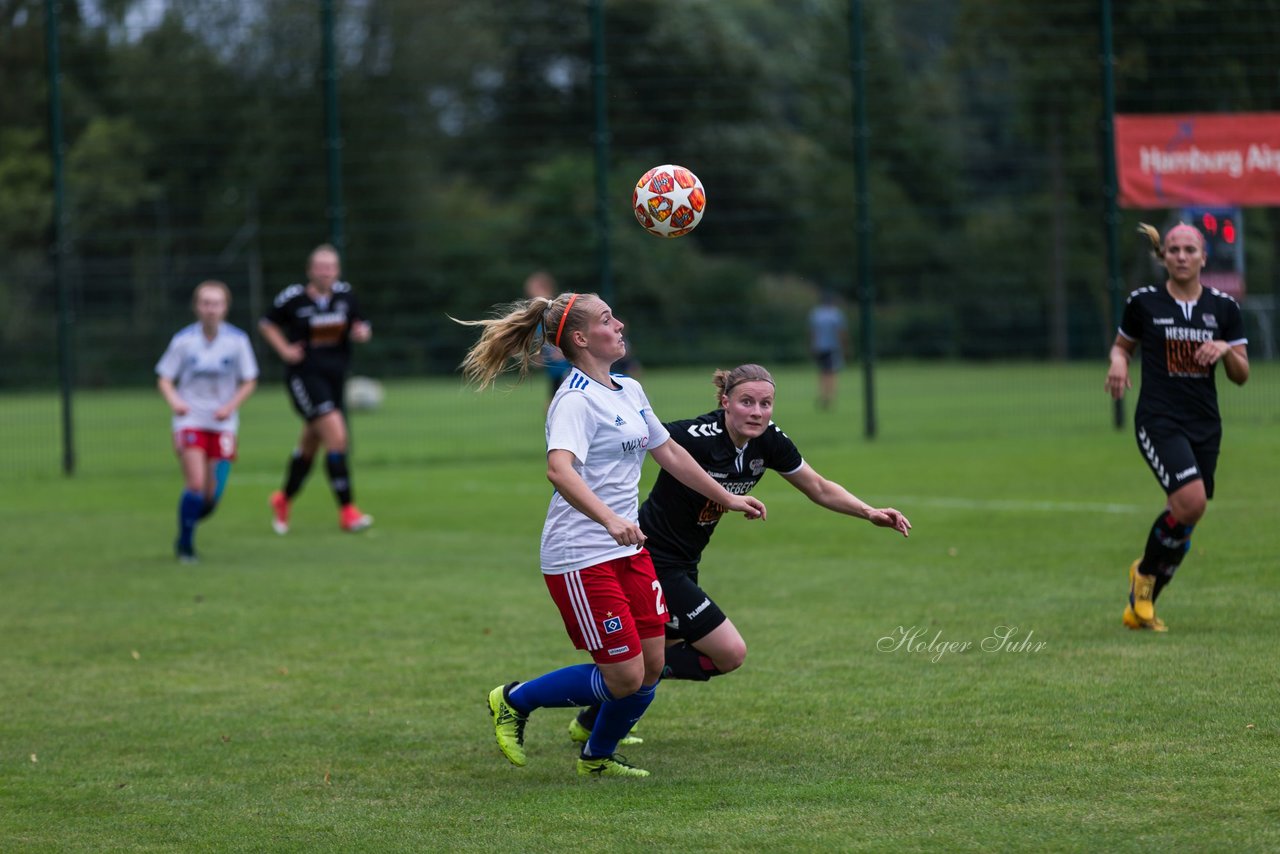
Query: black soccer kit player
[
  {"x": 324, "y": 328},
  {"x": 1177, "y": 423},
  {"x": 678, "y": 522}
]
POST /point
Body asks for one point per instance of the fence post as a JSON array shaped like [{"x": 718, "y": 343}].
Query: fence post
[
  {"x": 66, "y": 362},
  {"x": 862, "y": 192},
  {"x": 332, "y": 130},
  {"x": 599, "y": 77},
  {"x": 1111, "y": 216}
]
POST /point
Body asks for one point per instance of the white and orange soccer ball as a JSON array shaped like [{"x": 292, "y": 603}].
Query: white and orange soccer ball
[{"x": 669, "y": 201}]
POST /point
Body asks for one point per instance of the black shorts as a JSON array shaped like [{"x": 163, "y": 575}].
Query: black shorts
[
  {"x": 829, "y": 361},
  {"x": 315, "y": 393},
  {"x": 692, "y": 614},
  {"x": 1179, "y": 454}
]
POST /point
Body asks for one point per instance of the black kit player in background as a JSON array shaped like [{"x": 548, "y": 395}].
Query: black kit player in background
[
  {"x": 311, "y": 328},
  {"x": 1185, "y": 329},
  {"x": 735, "y": 444}
]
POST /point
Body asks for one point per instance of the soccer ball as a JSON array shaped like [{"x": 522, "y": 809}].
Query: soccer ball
[
  {"x": 669, "y": 201},
  {"x": 364, "y": 394}
]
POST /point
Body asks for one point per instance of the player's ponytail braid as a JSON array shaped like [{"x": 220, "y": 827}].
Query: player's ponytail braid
[
  {"x": 726, "y": 381},
  {"x": 513, "y": 337},
  {"x": 1157, "y": 245},
  {"x": 509, "y": 339}
]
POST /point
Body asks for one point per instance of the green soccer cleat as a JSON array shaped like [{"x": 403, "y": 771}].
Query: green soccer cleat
[
  {"x": 608, "y": 766},
  {"x": 508, "y": 725},
  {"x": 580, "y": 734}
]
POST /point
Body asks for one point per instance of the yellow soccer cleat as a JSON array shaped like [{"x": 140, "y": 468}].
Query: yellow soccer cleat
[
  {"x": 508, "y": 725},
  {"x": 580, "y": 734},
  {"x": 608, "y": 766},
  {"x": 1141, "y": 590},
  {"x": 1132, "y": 621}
]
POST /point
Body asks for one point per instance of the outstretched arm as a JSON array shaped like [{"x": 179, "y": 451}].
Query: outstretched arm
[
  {"x": 675, "y": 459},
  {"x": 833, "y": 496}
]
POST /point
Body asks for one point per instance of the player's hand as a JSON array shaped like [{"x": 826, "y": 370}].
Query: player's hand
[
  {"x": 293, "y": 353},
  {"x": 1210, "y": 352},
  {"x": 625, "y": 532},
  {"x": 361, "y": 331},
  {"x": 890, "y": 518},
  {"x": 222, "y": 413},
  {"x": 1118, "y": 380},
  {"x": 750, "y": 507},
  {"x": 179, "y": 407}
]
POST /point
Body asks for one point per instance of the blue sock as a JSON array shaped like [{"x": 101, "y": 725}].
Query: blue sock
[
  {"x": 616, "y": 719},
  {"x": 221, "y": 469},
  {"x": 189, "y": 507},
  {"x": 576, "y": 685}
]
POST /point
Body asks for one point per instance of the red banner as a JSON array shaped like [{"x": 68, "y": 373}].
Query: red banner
[{"x": 1166, "y": 161}]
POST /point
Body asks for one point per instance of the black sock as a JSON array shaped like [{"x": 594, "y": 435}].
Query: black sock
[
  {"x": 299, "y": 468},
  {"x": 685, "y": 662},
  {"x": 1167, "y": 544},
  {"x": 207, "y": 510},
  {"x": 339, "y": 478}
]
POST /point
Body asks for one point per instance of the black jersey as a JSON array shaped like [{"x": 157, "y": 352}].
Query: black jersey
[
  {"x": 677, "y": 521},
  {"x": 323, "y": 327},
  {"x": 1170, "y": 331}
]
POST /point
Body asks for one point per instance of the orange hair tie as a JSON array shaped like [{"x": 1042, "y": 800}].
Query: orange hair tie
[{"x": 563, "y": 318}]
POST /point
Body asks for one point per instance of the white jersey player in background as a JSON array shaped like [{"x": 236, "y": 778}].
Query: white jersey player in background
[
  {"x": 205, "y": 374},
  {"x": 599, "y": 428}
]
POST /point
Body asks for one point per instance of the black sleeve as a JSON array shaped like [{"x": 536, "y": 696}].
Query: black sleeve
[
  {"x": 280, "y": 311},
  {"x": 784, "y": 456},
  {"x": 1131, "y": 322},
  {"x": 1233, "y": 322},
  {"x": 353, "y": 308},
  {"x": 679, "y": 431}
]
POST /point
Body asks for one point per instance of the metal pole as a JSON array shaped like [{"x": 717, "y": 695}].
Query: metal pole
[
  {"x": 333, "y": 133},
  {"x": 599, "y": 78},
  {"x": 66, "y": 362},
  {"x": 1111, "y": 214},
  {"x": 862, "y": 192}
]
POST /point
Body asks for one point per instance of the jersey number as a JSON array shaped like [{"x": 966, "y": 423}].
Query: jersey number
[{"x": 659, "y": 606}]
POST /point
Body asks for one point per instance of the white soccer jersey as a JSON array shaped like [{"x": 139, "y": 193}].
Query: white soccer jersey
[
  {"x": 608, "y": 431},
  {"x": 207, "y": 374}
]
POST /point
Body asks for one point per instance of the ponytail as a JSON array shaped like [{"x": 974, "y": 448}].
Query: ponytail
[{"x": 513, "y": 337}]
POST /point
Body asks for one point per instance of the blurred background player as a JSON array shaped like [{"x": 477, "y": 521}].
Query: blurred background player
[
  {"x": 311, "y": 327},
  {"x": 829, "y": 342},
  {"x": 206, "y": 373},
  {"x": 1185, "y": 329},
  {"x": 542, "y": 284},
  {"x": 599, "y": 428},
  {"x": 735, "y": 444}
]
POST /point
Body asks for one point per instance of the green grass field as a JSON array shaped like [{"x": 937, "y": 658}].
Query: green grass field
[{"x": 325, "y": 692}]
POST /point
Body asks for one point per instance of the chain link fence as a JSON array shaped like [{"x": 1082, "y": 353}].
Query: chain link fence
[{"x": 459, "y": 152}]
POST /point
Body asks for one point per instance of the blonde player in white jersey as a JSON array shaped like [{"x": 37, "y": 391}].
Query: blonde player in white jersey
[
  {"x": 599, "y": 428},
  {"x": 205, "y": 374}
]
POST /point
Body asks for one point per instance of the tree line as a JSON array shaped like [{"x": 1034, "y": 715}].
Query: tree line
[{"x": 196, "y": 148}]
